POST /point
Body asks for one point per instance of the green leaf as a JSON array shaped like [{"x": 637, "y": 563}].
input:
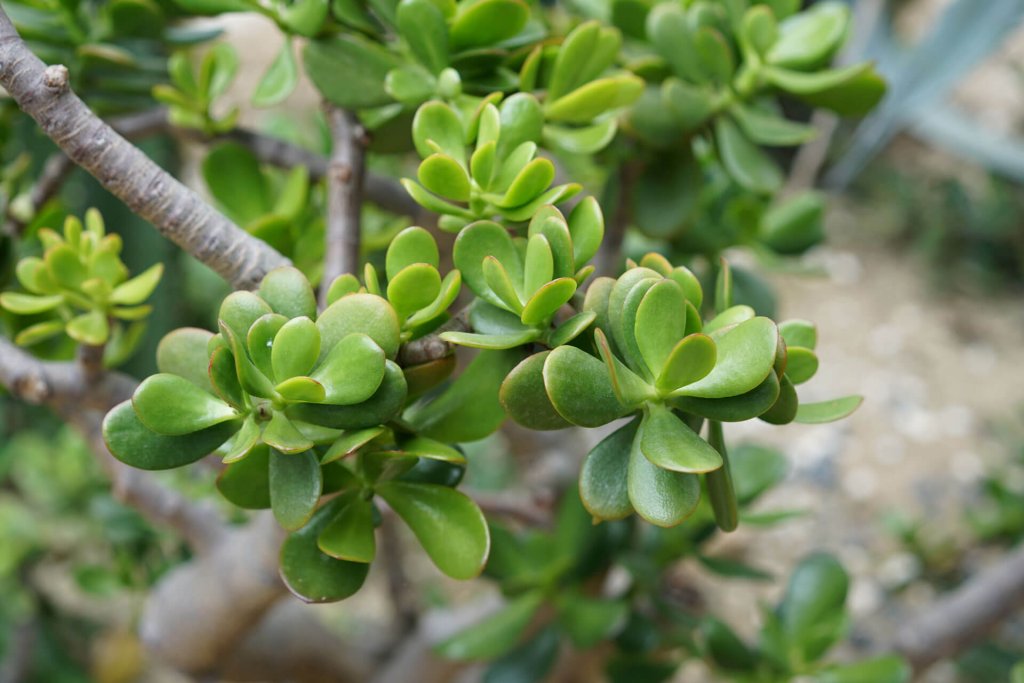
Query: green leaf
[
  {"x": 284, "y": 436},
  {"x": 855, "y": 96},
  {"x": 887, "y": 669},
  {"x": 801, "y": 364},
  {"x": 812, "y": 37},
  {"x": 493, "y": 342},
  {"x": 469, "y": 409},
  {"x": 759, "y": 30},
  {"x": 604, "y": 477},
  {"x": 279, "y": 80},
  {"x": 301, "y": 389},
  {"x": 437, "y": 128},
  {"x": 746, "y": 354},
  {"x": 630, "y": 388},
  {"x": 546, "y": 301},
  {"x": 571, "y": 62},
  {"x": 27, "y": 304},
  {"x": 213, "y": 6},
  {"x": 747, "y": 164},
  {"x": 423, "y": 26},
  {"x": 669, "y": 31},
  {"x": 131, "y": 442},
  {"x": 296, "y": 348},
  {"x": 531, "y": 181},
  {"x": 288, "y": 292},
  {"x": 138, "y": 289},
  {"x": 33, "y": 334},
  {"x": 233, "y": 175},
  {"x": 595, "y": 98},
  {"x": 725, "y": 648},
  {"x": 588, "y": 621},
  {"x": 487, "y": 22},
  {"x": 473, "y": 245},
  {"x": 522, "y": 120},
  {"x": 661, "y": 497},
  {"x": 447, "y": 523},
  {"x": 690, "y": 105},
  {"x": 295, "y": 485},
  {"x": 352, "y": 371},
  {"x": 714, "y": 54},
  {"x": 412, "y": 245},
  {"x": 365, "y": 313},
  {"x": 532, "y": 661},
  {"x": 586, "y": 227},
  {"x": 580, "y": 388},
  {"x": 740, "y": 408},
  {"x": 799, "y": 333},
  {"x": 171, "y": 405},
  {"x": 785, "y": 408},
  {"x": 350, "y": 442},
  {"x": 246, "y": 483},
  {"x": 217, "y": 70},
  {"x": 384, "y": 405},
  {"x": 572, "y": 328},
  {"x": 496, "y": 634},
  {"x": 812, "y": 613},
  {"x": 260, "y": 340},
  {"x": 243, "y": 441},
  {"x": 802, "y": 83},
  {"x": 539, "y": 265},
  {"x": 828, "y": 411},
  {"x": 524, "y": 398},
  {"x": 349, "y": 536},
  {"x": 660, "y": 323},
  {"x": 310, "y": 574},
  {"x": 223, "y": 374},
  {"x": 668, "y": 443},
  {"x": 769, "y": 129},
  {"x": 730, "y": 317},
  {"x": 689, "y": 361},
  {"x": 89, "y": 328},
  {"x": 443, "y": 175},
  {"x": 305, "y": 17},
  {"x": 414, "y": 288},
  {"x": 184, "y": 352},
  {"x": 580, "y": 140},
  {"x": 795, "y": 225},
  {"x": 364, "y": 63}
]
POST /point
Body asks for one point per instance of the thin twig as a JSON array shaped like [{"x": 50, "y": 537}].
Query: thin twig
[
  {"x": 43, "y": 93},
  {"x": 344, "y": 196},
  {"x": 964, "y": 617}
]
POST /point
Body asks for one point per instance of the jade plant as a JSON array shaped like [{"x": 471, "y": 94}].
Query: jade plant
[
  {"x": 81, "y": 288},
  {"x": 538, "y": 206}
]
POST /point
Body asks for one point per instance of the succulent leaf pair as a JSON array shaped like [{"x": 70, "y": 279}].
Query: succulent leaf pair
[
  {"x": 523, "y": 282},
  {"x": 414, "y": 288},
  {"x": 82, "y": 286}
]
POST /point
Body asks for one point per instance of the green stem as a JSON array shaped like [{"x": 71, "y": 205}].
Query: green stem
[{"x": 720, "y": 489}]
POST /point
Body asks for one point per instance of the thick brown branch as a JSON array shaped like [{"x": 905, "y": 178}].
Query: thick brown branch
[
  {"x": 344, "y": 196},
  {"x": 176, "y": 211},
  {"x": 965, "y": 616}
]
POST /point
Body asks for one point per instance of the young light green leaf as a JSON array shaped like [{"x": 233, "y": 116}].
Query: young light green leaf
[{"x": 828, "y": 411}]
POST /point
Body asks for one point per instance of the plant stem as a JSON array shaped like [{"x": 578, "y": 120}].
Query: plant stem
[
  {"x": 720, "y": 488},
  {"x": 344, "y": 197}
]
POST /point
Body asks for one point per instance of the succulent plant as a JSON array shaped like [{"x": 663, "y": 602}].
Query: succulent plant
[
  {"x": 82, "y": 287},
  {"x": 301, "y": 406}
]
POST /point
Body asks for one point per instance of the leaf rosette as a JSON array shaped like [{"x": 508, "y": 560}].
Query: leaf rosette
[{"x": 80, "y": 287}]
